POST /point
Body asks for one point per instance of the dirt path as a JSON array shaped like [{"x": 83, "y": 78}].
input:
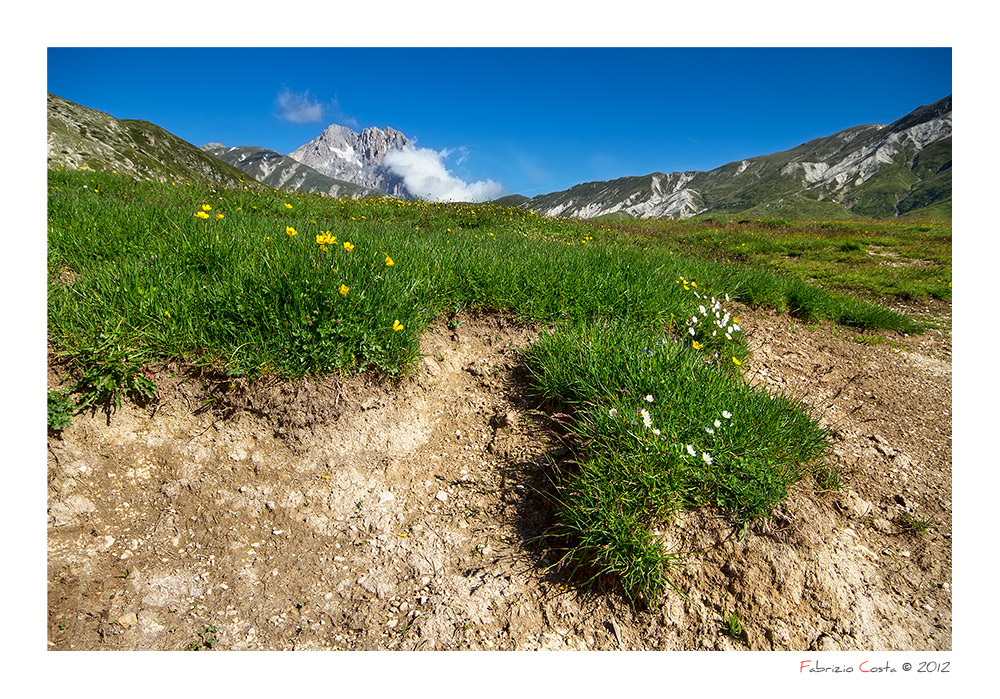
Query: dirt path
[{"x": 357, "y": 515}]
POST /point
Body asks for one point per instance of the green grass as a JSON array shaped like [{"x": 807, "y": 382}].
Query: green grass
[
  {"x": 659, "y": 426},
  {"x": 904, "y": 257},
  {"x": 260, "y": 283}
]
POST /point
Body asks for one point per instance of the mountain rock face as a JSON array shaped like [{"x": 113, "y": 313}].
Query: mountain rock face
[
  {"x": 79, "y": 136},
  {"x": 344, "y": 154},
  {"x": 282, "y": 172},
  {"x": 875, "y": 170}
]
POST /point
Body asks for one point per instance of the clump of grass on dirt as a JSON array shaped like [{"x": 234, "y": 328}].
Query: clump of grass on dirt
[
  {"x": 662, "y": 423},
  {"x": 641, "y": 344}
]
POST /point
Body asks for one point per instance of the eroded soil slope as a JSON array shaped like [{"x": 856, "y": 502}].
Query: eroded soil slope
[{"x": 356, "y": 514}]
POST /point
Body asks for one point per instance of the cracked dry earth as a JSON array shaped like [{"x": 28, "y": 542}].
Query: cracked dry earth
[{"x": 357, "y": 514}]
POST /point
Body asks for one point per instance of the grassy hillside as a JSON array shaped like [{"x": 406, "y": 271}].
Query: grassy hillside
[
  {"x": 84, "y": 138},
  {"x": 642, "y": 346},
  {"x": 907, "y": 257}
]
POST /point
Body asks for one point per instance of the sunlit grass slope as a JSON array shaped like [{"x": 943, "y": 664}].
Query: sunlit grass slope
[{"x": 641, "y": 346}]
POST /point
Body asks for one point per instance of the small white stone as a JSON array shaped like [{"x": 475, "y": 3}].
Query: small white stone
[
  {"x": 442, "y": 496},
  {"x": 928, "y": 607},
  {"x": 386, "y": 497}
]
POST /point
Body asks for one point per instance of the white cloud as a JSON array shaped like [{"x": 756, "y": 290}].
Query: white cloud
[
  {"x": 298, "y": 107},
  {"x": 425, "y": 176}
]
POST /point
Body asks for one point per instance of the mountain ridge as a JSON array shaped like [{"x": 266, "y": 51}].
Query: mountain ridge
[
  {"x": 872, "y": 170},
  {"x": 867, "y": 170},
  {"x": 283, "y": 172},
  {"x": 79, "y": 136},
  {"x": 344, "y": 154}
]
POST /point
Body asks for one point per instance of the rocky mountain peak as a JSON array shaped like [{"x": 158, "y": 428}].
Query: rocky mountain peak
[{"x": 344, "y": 154}]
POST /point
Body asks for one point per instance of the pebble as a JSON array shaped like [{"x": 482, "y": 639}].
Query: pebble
[
  {"x": 442, "y": 496},
  {"x": 928, "y": 607},
  {"x": 127, "y": 620},
  {"x": 386, "y": 497}
]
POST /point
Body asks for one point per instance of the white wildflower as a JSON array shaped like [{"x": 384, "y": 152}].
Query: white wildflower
[
  {"x": 613, "y": 413},
  {"x": 649, "y": 399},
  {"x": 690, "y": 450},
  {"x": 706, "y": 457},
  {"x": 726, "y": 414},
  {"x": 646, "y": 420}
]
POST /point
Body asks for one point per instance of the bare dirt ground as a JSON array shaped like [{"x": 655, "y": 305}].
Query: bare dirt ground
[{"x": 363, "y": 515}]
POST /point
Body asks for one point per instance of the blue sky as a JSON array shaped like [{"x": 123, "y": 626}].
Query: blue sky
[{"x": 513, "y": 120}]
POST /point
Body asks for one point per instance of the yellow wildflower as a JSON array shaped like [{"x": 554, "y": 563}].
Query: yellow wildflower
[
  {"x": 737, "y": 362},
  {"x": 388, "y": 261},
  {"x": 289, "y": 231},
  {"x": 206, "y": 207},
  {"x": 344, "y": 289},
  {"x": 396, "y": 326},
  {"x": 287, "y": 205},
  {"x": 219, "y": 216},
  {"x": 697, "y": 345},
  {"x": 201, "y": 214},
  {"x": 348, "y": 247}
]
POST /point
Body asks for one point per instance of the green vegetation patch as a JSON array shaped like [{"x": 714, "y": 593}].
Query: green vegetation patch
[{"x": 662, "y": 423}]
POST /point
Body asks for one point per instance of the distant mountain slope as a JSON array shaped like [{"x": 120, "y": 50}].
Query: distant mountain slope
[
  {"x": 79, "y": 135},
  {"x": 344, "y": 154},
  {"x": 874, "y": 170},
  {"x": 282, "y": 172}
]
